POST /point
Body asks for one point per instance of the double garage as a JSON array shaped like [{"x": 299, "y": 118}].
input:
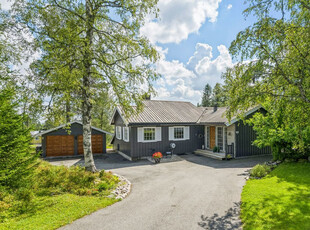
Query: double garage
[{"x": 69, "y": 142}]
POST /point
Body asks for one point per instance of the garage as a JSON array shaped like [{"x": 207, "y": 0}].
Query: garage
[{"x": 63, "y": 141}]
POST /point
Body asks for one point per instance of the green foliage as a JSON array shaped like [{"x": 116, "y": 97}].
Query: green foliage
[
  {"x": 260, "y": 170},
  {"x": 17, "y": 160},
  {"x": 215, "y": 97},
  {"x": 51, "y": 183},
  {"x": 216, "y": 149},
  {"x": 278, "y": 201},
  {"x": 52, "y": 180},
  {"x": 274, "y": 72}
]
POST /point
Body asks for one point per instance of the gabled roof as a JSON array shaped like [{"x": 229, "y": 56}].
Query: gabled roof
[
  {"x": 64, "y": 125},
  {"x": 167, "y": 112},
  {"x": 178, "y": 112},
  {"x": 209, "y": 116}
]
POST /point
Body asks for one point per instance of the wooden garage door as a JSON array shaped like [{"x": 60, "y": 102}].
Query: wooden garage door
[
  {"x": 96, "y": 141},
  {"x": 59, "y": 145}
]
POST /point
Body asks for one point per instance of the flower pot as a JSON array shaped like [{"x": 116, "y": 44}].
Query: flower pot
[{"x": 157, "y": 160}]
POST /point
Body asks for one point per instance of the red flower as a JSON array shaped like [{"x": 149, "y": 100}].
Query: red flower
[{"x": 157, "y": 155}]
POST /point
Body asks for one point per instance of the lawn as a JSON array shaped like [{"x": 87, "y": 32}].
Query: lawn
[
  {"x": 281, "y": 200},
  {"x": 54, "y": 212},
  {"x": 55, "y": 196}
]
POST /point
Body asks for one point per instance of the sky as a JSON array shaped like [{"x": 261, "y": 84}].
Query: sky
[{"x": 192, "y": 37}]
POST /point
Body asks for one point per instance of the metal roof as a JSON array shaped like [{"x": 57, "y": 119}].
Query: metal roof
[
  {"x": 177, "y": 112},
  {"x": 167, "y": 112}
]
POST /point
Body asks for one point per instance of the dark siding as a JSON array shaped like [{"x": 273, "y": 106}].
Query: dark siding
[
  {"x": 121, "y": 145},
  {"x": 75, "y": 130},
  {"x": 144, "y": 149},
  {"x": 244, "y": 140}
]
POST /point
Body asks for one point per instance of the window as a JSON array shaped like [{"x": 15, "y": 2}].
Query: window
[
  {"x": 208, "y": 137},
  {"x": 126, "y": 134},
  {"x": 179, "y": 133},
  {"x": 119, "y": 132},
  {"x": 220, "y": 138},
  {"x": 149, "y": 134},
  {"x": 225, "y": 138}
]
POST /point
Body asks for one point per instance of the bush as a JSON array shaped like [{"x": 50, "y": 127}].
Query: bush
[
  {"x": 216, "y": 149},
  {"x": 260, "y": 171},
  {"x": 52, "y": 180}
]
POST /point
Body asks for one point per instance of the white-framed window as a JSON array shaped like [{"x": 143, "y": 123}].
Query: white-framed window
[
  {"x": 126, "y": 134},
  {"x": 149, "y": 134},
  {"x": 118, "y": 132},
  {"x": 178, "y": 133},
  {"x": 207, "y": 137},
  {"x": 220, "y": 137}
]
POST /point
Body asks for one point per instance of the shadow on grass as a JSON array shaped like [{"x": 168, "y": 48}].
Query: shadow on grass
[{"x": 228, "y": 221}]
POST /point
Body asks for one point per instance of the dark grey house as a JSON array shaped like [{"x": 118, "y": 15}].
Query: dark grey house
[
  {"x": 189, "y": 127},
  {"x": 63, "y": 142}
]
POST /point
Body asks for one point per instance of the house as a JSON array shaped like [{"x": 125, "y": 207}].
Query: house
[
  {"x": 61, "y": 141},
  {"x": 189, "y": 127}
]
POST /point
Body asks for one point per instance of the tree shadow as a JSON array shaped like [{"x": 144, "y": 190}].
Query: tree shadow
[{"x": 228, "y": 221}]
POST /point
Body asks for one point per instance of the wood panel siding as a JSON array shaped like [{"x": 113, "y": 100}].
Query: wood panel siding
[
  {"x": 196, "y": 140},
  {"x": 212, "y": 137},
  {"x": 96, "y": 141},
  {"x": 59, "y": 145},
  {"x": 244, "y": 142}
]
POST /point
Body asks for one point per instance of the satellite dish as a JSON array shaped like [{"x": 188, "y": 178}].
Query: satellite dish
[{"x": 172, "y": 145}]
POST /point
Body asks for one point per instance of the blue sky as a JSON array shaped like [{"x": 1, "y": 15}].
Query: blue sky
[
  {"x": 193, "y": 37},
  {"x": 196, "y": 30}
]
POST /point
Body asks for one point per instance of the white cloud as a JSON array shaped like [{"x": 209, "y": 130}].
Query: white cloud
[
  {"x": 179, "y": 18},
  {"x": 229, "y": 6},
  {"x": 186, "y": 82},
  {"x": 5, "y": 4}
]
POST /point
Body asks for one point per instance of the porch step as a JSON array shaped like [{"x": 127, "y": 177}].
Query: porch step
[{"x": 206, "y": 153}]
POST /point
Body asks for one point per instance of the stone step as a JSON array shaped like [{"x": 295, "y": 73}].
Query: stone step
[{"x": 217, "y": 156}]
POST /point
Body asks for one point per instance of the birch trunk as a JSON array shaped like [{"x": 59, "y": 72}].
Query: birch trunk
[{"x": 86, "y": 97}]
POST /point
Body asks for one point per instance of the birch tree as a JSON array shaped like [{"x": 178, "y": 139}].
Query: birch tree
[{"x": 90, "y": 46}]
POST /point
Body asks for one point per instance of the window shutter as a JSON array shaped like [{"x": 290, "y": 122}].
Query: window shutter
[
  {"x": 186, "y": 133},
  {"x": 158, "y": 133},
  {"x": 171, "y": 133},
  {"x": 140, "y": 134}
]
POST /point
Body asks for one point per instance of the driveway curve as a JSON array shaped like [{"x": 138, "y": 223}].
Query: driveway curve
[{"x": 191, "y": 192}]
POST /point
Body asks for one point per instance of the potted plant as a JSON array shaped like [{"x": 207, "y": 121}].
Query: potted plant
[
  {"x": 157, "y": 156},
  {"x": 228, "y": 157},
  {"x": 216, "y": 149}
]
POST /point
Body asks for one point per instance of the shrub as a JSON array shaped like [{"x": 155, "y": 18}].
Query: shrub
[
  {"x": 260, "y": 171},
  {"x": 216, "y": 149}
]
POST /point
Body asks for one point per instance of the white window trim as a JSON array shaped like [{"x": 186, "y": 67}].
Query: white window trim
[
  {"x": 184, "y": 134},
  {"x": 126, "y": 129},
  {"x": 216, "y": 139},
  {"x": 158, "y": 134},
  {"x": 119, "y": 132}
]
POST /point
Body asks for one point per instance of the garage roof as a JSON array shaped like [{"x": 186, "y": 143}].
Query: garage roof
[{"x": 64, "y": 125}]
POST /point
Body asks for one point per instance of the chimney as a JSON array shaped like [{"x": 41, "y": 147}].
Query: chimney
[
  {"x": 215, "y": 108},
  {"x": 146, "y": 96}
]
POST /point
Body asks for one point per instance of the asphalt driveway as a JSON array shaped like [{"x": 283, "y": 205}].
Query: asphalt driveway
[{"x": 192, "y": 192}]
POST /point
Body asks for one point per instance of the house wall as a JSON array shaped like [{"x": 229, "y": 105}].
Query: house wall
[
  {"x": 75, "y": 130},
  {"x": 231, "y": 134},
  {"x": 139, "y": 149},
  {"x": 121, "y": 145},
  {"x": 244, "y": 140}
]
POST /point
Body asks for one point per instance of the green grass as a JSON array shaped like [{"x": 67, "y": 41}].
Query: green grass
[
  {"x": 54, "y": 212},
  {"x": 54, "y": 196},
  {"x": 281, "y": 200}
]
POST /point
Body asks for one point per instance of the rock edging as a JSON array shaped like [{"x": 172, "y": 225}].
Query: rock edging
[{"x": 123, "y": 188}]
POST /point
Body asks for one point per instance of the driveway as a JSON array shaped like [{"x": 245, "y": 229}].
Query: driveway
[{"x": 192, "y": 192}]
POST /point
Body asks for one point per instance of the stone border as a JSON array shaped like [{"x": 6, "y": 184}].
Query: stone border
[{"x": 123, "y": 188}]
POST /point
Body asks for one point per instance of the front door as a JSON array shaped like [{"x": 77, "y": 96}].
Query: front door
[{"x": 212, "y": 137}]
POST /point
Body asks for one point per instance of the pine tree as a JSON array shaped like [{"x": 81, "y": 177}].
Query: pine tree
[
  {"x": 16, "y": 158},
  {"x": 207, "y": 96}
]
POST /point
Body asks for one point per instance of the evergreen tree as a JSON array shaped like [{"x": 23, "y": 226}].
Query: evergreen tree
[
  {"x": 16, "y": 158},
  {"x": 218, "y": 96},
  {"x": 207, "y": 96}
]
